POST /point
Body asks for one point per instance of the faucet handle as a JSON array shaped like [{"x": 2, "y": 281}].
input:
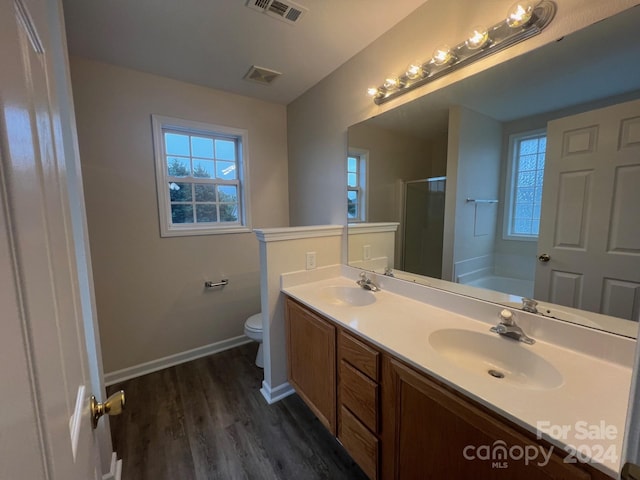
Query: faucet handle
[
  {"x": 529, "y": 305},
  {"x": 363, "y": 275},
  {"x": 506, "y": 317}
]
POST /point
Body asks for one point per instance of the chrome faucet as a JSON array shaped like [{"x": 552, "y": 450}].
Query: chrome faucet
[
  {"x": 529, "y": 305},
  {"x": 366, "y": 283},
  {"x": 507, "y": 328}
]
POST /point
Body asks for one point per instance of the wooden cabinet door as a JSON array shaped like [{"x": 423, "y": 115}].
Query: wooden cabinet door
[
  {"x": 311, "y": 353},
  {"x": 427, "y": 428}
]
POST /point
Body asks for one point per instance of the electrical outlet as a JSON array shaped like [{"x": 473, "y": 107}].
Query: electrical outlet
[
  {"x": 311, "y": 260},
  {"x": 366, "y": 252}
]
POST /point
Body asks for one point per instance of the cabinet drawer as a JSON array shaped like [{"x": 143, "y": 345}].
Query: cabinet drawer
[
  {"x": 360, "y": 395},
  {"x": 361, "y": 444},
  {"x": 359, "y": 355}
]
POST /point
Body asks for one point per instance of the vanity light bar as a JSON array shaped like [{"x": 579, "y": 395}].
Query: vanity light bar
[{"x": 525, "y": 19}]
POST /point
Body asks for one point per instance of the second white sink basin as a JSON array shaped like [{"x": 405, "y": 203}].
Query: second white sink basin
[
  {"x": 550, "y": 310},
  {"x": 497, "y": 358},
  {"x": 348, "y": 296}
]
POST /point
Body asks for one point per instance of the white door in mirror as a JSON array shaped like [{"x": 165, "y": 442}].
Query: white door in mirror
[{"x": 591, "y": 190}]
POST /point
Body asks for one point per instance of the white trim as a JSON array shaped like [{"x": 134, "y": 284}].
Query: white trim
[
  {"x": 363, "y": 180},
  {"x": 379, "y": 227},
  {"x": 273, "y": 395},
  {"x": 510, "y": 186},
  {"x": 118, "y": 474},
  {"x": 193, "y": 229},
  {"x": 291, "y": 279},
  {"x": 159, "y": 122},
  {"x": 172, "y": 360},
  {"x": 375, "y": 265},
  {"x": 295, "y": 233},
  {"x": 115, "y": 469}
]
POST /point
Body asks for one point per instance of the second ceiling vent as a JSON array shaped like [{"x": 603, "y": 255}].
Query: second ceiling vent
[{"x": 282, "y": 10}]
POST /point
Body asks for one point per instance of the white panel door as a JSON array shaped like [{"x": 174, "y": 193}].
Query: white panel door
[
  {"x": 590, "y": 224},
  {"x": 45, "y": 427}
]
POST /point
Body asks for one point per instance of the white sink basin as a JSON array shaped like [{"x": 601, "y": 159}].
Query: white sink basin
[
  {"x": 553, "y": 312},
  {"x": 496, "y": 358},
  {"x": 348, "y": 296}
]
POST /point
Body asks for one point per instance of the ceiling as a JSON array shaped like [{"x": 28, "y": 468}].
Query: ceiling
[
  {"x": 215, "y": 42},
  {"x": 600, "y": 61}
]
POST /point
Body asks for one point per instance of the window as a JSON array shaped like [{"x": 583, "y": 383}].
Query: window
[
  {"x": 201, "y": 177},
  {"x": 525, "y": 174},
  {"x": 356, "y": 183}
]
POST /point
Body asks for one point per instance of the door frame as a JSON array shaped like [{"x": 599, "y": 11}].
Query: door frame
[
  {"x": 77, "y": 211},
  {"x": 57, "y": 67}
]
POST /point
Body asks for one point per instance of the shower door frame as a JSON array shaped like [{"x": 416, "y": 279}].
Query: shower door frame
[{"x": 403, "y": 215}]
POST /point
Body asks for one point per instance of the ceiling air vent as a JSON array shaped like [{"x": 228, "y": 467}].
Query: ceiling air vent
[
  {"x": 282, "y": 10},
  {"x": 261, "y": 75}
]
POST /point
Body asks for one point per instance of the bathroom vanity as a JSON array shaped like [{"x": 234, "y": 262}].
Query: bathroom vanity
[{"x": 403, "y": 386}]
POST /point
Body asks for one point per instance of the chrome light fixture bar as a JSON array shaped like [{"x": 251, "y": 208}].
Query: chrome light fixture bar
[{"x": 525, "y": 19}]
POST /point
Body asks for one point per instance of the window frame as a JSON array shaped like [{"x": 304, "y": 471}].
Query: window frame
[
  {"x": 362, "y": 157},
  {"x": 510, "y": 184},
  {"x": 161, "y": 123}
]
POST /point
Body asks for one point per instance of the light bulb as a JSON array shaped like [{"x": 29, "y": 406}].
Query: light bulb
[
  {"x": 373, "y": 91},
  {"x": 414, "y": 71},
  {"x": 520, "y": 13},
  {"x": 478, "y": 38},
  {"x": 391, "y": 83},
  {"x": 442, "y": 55}
]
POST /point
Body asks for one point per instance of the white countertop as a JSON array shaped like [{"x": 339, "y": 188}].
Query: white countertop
[{"x": 594, "y": 392}]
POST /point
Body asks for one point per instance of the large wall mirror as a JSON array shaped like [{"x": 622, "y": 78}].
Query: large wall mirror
[{"x": 520, "y": 181}]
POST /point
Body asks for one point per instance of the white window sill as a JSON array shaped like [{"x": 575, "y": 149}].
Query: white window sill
[
  {"x": 521, "y": 238},
  {"x": 190, "y": 231}
]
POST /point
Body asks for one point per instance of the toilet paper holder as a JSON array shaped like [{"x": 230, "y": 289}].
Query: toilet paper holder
[{"x": 221, "y": 283}]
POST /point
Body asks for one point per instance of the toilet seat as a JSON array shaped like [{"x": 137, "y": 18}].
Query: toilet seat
[
  {"x": 253, "y": 330},
  {"x": 254, "y": 323}
]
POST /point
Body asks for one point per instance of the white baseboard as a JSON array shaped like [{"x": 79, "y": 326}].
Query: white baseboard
[
  {"x": 273, "y": 395},
  {"x": 118, "y": 475},
  {"x": 115, "y": 469},
  {"x": 172, "y": 360}
]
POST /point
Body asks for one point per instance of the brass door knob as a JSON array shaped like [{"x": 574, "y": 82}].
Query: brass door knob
[
  {"x": 544, "y": 257},
  {"x": 112, "y": 406}
]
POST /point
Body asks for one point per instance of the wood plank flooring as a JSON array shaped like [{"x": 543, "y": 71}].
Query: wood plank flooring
[{"x": 206, "y": 420}]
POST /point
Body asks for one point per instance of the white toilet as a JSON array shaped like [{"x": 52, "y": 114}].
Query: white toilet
[{"x": 253, "y": 330}]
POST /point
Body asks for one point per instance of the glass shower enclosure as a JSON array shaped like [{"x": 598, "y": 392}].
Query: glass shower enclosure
[{"x": 423, "y": 226}]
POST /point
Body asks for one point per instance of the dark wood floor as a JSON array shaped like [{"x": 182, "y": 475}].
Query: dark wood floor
[{"x": 206, "y": 419}]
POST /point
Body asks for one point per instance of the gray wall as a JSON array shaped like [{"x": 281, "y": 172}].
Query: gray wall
[
  {"x": 392, "y": 156},
  {"x": 318, "y": 120},
  {"x": 473, "y": 171},
  {"x": 149, "y": 290}
]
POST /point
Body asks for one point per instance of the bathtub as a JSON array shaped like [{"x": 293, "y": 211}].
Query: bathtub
[{"x": 514, "y": 286}]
